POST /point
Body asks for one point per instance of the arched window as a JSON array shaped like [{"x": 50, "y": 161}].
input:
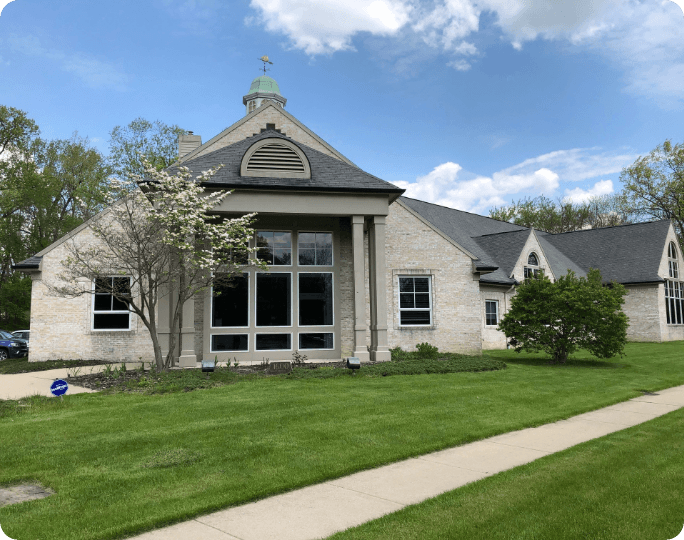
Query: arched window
[
  {"x": 252, "y": 105},
  {"x": 532, "y": 268},
  {"x": 275, "y": 158},
  {"x": 674, "y": 289}
]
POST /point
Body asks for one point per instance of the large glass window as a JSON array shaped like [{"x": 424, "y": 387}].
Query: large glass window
[
  {"x": 321, "y": 341},
  {"x": 491, "y": 312},
  {"x": 274, "y": 299},
  {"x": 229, "y": 343},
  {"x": 273, "y": 342},
  {"x": 415, "y": 305},
  {"x": 315, "y": 299},
  {"x": 110, "y": 307},
  {"x": 230, "y": 302},
  {"x": 275, "y": 247},
  {"x": 672, "y": 263},
  {"x": 315, "y": 249},
  {"x": 674, "y": 302}
]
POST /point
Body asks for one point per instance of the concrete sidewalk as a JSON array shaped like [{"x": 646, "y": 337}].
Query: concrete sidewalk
[
  {"x": 321, "y": 510},
  {"x": 21, "y": 385}
]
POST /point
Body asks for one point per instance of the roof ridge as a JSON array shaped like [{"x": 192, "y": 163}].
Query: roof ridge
[
  {"x": 609, "y": 227},
  {"x": 464, "y": 212}
]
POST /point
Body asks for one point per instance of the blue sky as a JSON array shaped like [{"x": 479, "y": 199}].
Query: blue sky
[{"x": 466, "y": 103}]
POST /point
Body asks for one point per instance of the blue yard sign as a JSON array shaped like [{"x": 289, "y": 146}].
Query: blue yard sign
[{"x": 59, "y": 387}]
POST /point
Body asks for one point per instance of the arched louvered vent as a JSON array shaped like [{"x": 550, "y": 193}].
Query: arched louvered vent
[{"x": 275, "y": 158}]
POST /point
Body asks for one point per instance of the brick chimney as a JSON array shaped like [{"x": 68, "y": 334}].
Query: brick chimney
[{"x": 187, "y": 143}]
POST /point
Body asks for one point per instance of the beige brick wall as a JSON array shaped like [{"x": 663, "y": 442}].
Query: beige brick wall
[
  {"x": 268, "y": 115},
  {"x": 643, "y": 308},
  {"x": 413, "y": 248},
  {"x": 61, "y": 328}
]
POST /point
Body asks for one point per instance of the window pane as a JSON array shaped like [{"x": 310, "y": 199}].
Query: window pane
[
  {"x": 316, "y": 341},
  {"x": 532, "y": 260},
  {"x": 307, "y": 240},
  {"x": 230, "y": 302},
  {"x": 324, "y": 257},
  {"x": 230, "y": 342},
  {"x": 415, "y": 317},
  {"x": 273, "y": 342},
  {"x": 421, "y": 284},
  {"x": 265, "y": 245},
  {"x": 315, "y": 299},
  {"x": 103, "y": 302},
  {"x": 422, "y": 300},
  {"x": 108, "y": 321},
  {"x": 103, "y": 285},
  {"x": 323, "y": 240},
  {"x": 406, "y": 284},
  {"x": 282, "y": 257},
  {"x": 406, "y": 300},
  {"x": 282, "y": 240},
  {"x": 273, "y": 303},
  {"x": 307, "y": 256}
]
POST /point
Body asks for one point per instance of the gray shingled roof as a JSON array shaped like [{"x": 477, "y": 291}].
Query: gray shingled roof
[
  {"x": 505, "y": 249},
  {"x": 327, "y": 173},
  {"x": 626, "y": 254},
  {"x": 461, "y": 226},
  {"x": 558, "y": 261},
  {"x": 32, "y": 263}
]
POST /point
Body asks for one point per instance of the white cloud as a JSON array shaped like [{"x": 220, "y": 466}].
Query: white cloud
[
  {"x": 326, "y": 26},
  {"x": 579, "y": 195},
  {"x": 643, "y": 37},
  {"x": 541, "y": 175},
  {"x": 95, "y": 73},
  {"x": 3, "y": 4}
]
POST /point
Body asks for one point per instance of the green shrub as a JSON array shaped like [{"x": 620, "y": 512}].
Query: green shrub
[{"x": 427, "y": 351}]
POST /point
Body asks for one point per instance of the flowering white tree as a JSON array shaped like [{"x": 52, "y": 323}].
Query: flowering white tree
[{"x": 159, "y": 233}]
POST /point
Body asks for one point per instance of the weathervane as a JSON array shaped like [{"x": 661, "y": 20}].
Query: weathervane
[{"x": 265, "y": 60}]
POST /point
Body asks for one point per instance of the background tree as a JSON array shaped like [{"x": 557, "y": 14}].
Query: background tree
[
  {"x": 165, "y": 240},
  {"x": 40, "y": 184},
  {"x": 155, "y": 141},
  {"x": 562, "y": 216},
  {"x": 570, "y": 314},
  {"x": 654, "y": 185}
]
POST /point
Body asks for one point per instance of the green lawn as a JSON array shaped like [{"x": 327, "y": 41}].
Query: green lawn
[
  {"x": 121, "y": 464},
  {"x": 627, "y": 485}
]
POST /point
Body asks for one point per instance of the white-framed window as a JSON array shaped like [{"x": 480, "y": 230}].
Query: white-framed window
[
  {"x": 110, "y": 308},
  {"x": 273, "y": 342},
  {"x": 230, "y": 303},
  {"x": 415, "y": 301},
  {"x": 315, "y": 249},
  {"x": 674, "y": 301},
  {"x": 316, "y": 293},
  {"x": 320, "y": 341},
  {"x": 273, "y": 299},
  {"x": 491, "y": 312},
  {"x": 673, "y": 264},
  {"x": 274, "y": 247},
  {"x": 229, "y": 343},
  {"x": 252, "y": 105},
  {"x": 532, "y": 268}
]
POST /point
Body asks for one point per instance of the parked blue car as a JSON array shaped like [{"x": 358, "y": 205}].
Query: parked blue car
[{"x": 12, "y": 347}]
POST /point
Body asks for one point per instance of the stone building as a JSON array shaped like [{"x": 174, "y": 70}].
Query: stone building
[{"x": 355, "y": 268}]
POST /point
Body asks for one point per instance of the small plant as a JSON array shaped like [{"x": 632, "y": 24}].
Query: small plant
[
  {"x": 298, "y": 359},
  {"x": 264, "y": 362},
  {"x": 74, "y": 371},
  {"x": 425, "y": 350},
  {"x": 235, "y": 362},
  {"x": 108, "y": 371}
]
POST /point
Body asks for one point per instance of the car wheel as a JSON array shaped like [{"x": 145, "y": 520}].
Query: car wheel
[{"x": 3, "y": 355}]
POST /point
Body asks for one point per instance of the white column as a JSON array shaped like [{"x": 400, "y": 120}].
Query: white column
[
  {"x": 378, "y": 280},
  {"x": 360, "y": 347},
  {"x": 187, "y": 344}
]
